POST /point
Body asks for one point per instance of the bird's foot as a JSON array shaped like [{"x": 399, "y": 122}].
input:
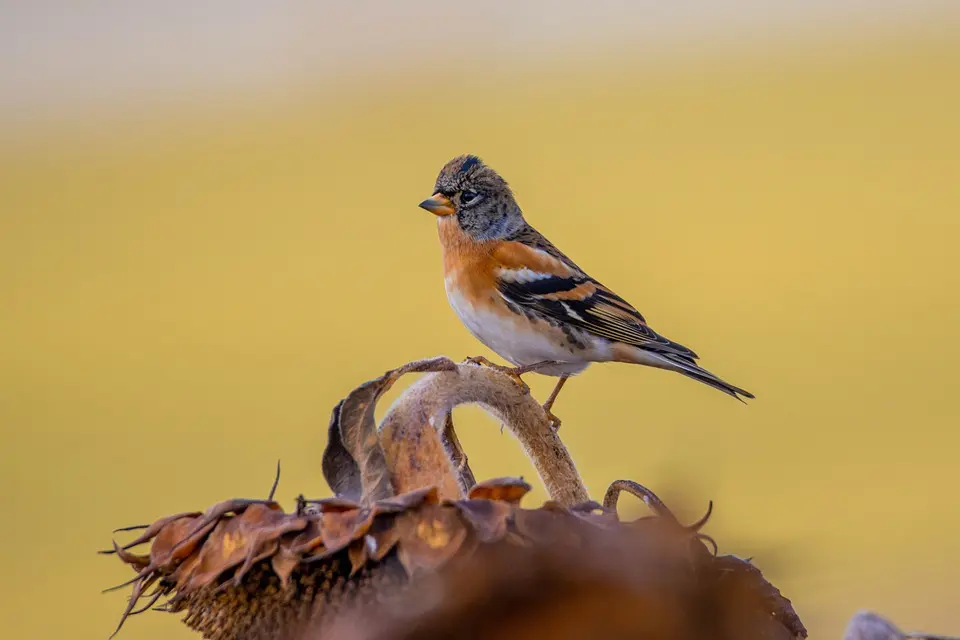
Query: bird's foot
[
  {"x": 552, "y": 420},
  {"x": 483, "y": 362},
  {"x": 513, "y": 372}
]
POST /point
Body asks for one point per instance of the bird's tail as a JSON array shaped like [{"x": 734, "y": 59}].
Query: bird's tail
[{"x": 688, "y": 367}]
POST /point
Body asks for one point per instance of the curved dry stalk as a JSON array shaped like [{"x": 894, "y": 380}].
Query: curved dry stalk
[
  {"x": 422, "y": 413},
  {"x": 451, "y": 444},
  {"x": 276, "y": 482},
  {"x": 636, "y": 489},
  {"x": 655, "y": 504}
]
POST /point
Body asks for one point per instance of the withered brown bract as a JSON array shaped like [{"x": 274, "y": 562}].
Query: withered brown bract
[{"x": 354, "y": 463}]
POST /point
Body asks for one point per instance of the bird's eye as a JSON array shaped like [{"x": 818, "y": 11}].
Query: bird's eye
[{"x": 468, "y": 196}]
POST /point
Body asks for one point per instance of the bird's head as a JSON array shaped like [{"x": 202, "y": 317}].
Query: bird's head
[{"x": 476, "y": 197}]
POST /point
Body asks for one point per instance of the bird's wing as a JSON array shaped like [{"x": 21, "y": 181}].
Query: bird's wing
[{"x": 536, "y": 278}]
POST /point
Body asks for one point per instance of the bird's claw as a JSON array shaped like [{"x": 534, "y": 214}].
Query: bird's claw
[
  {"x": 512, "y": 372},
  {"x": 481, "y": 361},
  {"x": 552, "y": 420},
  {"x": 524, "y": 387}
]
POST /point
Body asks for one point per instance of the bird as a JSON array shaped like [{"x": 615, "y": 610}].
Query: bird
[{"x": 526, "y": 300}]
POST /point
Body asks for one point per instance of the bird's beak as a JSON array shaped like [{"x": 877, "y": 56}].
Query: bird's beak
[{"x": 438, "y": 204}]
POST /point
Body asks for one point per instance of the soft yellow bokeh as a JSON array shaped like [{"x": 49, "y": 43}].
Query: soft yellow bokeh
[{"x": 185, "y": 300}]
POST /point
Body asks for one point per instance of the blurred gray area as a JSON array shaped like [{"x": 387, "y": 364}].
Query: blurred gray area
[{"x": 60, "y": 56}]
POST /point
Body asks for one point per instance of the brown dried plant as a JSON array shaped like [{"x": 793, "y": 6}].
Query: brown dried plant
[
  {"x": 411, "y": 547},
  {"x": 581, "y": 573},
  {"x": 417, "y": 446}
]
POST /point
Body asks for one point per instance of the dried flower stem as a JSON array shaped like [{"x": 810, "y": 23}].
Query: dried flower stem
[
  {"x": 427, "y": 404},
  {"x": 451, "y": 444}
]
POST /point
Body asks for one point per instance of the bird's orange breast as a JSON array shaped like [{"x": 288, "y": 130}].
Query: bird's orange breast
[{"x": 469, "y": 266}]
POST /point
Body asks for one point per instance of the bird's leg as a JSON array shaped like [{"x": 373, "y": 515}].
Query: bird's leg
[
  {"x": 527, "y": 368},
  {"x": 548, "y": 405},
  {"x": 516, "y": 372}
]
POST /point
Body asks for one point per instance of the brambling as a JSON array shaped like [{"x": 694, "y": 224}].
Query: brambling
[{"x": 527, "y": 301}]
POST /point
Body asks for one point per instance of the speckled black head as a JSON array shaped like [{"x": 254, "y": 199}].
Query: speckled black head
[{"x": 480, "y": 199}]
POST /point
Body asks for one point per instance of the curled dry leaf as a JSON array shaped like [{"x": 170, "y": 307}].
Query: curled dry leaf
[
  {"x": 509, "y": 490},
  {"x": 340, "y": 469},
  {"x": 354, "y": 463}
]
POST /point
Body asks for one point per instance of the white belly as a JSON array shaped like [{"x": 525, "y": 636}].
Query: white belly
[{"x": 513, "y": 338}]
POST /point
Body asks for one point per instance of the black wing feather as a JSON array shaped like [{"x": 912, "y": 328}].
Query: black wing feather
[{"x": 602, "y": 313}]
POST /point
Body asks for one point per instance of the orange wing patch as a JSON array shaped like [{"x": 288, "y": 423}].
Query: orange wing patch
[{"x": 579, "y": 292}]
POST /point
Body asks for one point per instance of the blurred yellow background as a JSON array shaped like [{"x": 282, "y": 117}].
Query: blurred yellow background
[{"x": 187, "y": 292}]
